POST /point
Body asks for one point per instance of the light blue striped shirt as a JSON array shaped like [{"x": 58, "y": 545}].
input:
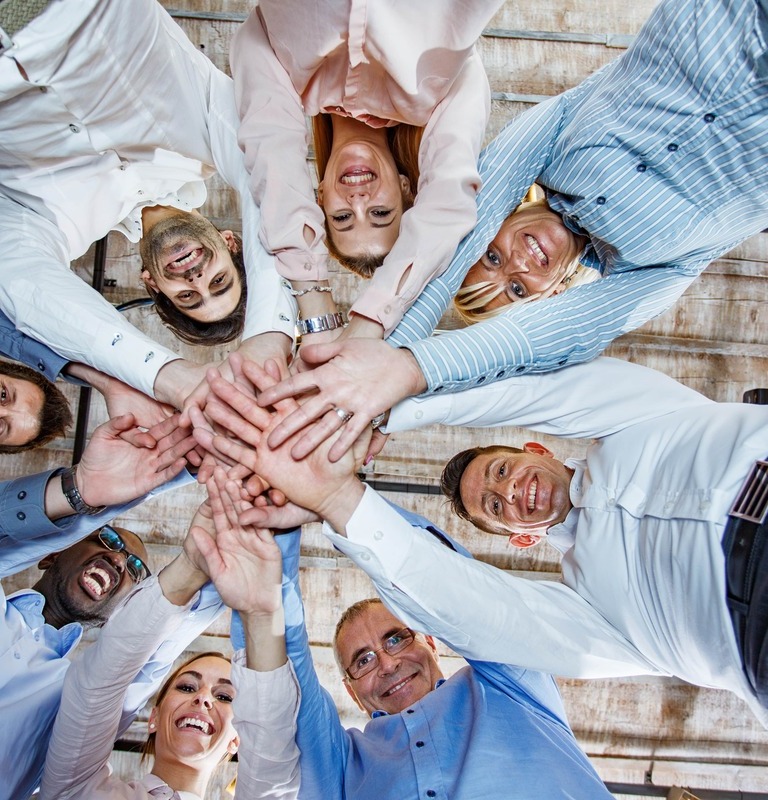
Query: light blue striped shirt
[{"x": 660, "y": 158}]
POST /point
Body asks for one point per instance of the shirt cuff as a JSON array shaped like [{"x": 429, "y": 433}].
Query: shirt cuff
[
  {"x": 418, "y": 412},
  {"x": 301, "y": 266},
  {"x": 380, "y": 305},
  {"x": 22, "y": 506},
  {"x": 270, "y": 307},
  {"x": 264, "y": 697}
]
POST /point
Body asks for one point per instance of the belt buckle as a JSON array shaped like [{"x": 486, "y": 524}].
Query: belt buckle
[
  {"x": 751, "y": 502},
  {"x": 6, "y": 43}
]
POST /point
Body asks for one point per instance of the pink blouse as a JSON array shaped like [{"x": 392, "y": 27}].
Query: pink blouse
[{"x": 409, "y": 61}]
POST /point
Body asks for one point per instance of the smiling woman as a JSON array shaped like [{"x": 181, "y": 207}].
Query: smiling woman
[{"x": 32, "y": 410}]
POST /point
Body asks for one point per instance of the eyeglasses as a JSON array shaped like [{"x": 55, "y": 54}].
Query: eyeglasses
[
  {"x": 135, "y": 567},
  {"x": 368, "y": 661}
]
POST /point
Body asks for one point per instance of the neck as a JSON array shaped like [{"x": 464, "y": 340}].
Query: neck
[
  {"x": 182, "y": 777},
  {"x": 51, "y": 614},
  {"x": 347, "y": 129}
]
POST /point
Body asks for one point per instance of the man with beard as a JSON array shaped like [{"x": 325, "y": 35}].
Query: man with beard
[
  {"x": 106, "y": 124},
  {"x": 40, "y": 627}
]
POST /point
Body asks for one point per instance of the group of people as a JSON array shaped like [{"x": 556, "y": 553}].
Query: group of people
[{"x": 586, "y": 216}]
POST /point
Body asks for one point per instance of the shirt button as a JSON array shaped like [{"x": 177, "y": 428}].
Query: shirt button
[
  {"x": 17, "y": 655},
  {"x": 709, "y": 118},
  {"x": 378, "y": 536},
  {"x": 438, "y": 388},
  {"x": 123, "y": 167},
  {"x": 74, "y": 128},
  {"x": 519, "y": 369},
  {"x": 611, "y": 501},
  {"x": 641, "y": 167},
  {"x": 118, "y": 337},
  {"x": 705, "y": 504},
  {"x": 481, "y": 379},
  {"x": 600, "y": 201},
  {"x": 20, "y": 515},
  {"x": 431, "y": 793},
  {"x": 284, "y": 318},
  {"x": 419, "y": 744},
  {"x": 409, "y": 711},
  {"x": 307, "y": 266},
  {"x": 500, "y": 373},
  {"x": 387, "y": 309},
  {"x": 41, "y": 366},
  {"x": 365, "y": 556},
  {"x": 419, "y": 414},
  {"x": 149, "y": 356},
  {"x": 43, "y": 89},
  {"x": 672, "y": 147},
  {"x": 21, "y": 495},
  {"x": 140, "y": 192}
]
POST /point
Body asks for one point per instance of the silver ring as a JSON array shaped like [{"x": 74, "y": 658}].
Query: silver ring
[{"x": 344, "y": 416}]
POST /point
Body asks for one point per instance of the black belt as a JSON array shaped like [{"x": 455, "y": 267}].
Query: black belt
[
  {"x": 15, "y": 15},
  {"x": 745, "y": 544}
]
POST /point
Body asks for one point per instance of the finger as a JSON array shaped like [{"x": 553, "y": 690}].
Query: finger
[
  {"x": 209, "y": 443},
  {"x": 195, "y": 456},
  {"x": 236, "y": 453},
  {"x": 205, "y": 473},
  {"x": 378, "y": 440},
  {"x": 276, "y": 497},
  {"x": 311, "y": 412},
  {"x": 207, "y": 548},
  {"x": 164, "y": 475},
  {"x": 348, "y": 436},
  {"x": 290, "y": 387},
  {"x": 179, "y": 450},
  {"x": 320, "y": 353},
  {"x": 277, "y": 370},
  {"x": 231, "y": 422},
  {"x": 256, "y": 486},
  {"x": 316, "y": 434},
  {"x": 245, "y": 405},
  {"x": 138, "y": 438},
  {"x": 166, "y": 427},
  {"x": 281, "y": 518}
]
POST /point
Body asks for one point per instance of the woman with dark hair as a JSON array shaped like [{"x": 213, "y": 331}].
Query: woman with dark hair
[
  {"x": 191, "y": 728},
  {"x": 399, "y": 101}
]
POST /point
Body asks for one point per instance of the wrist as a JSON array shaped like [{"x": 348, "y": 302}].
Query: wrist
[
  {"x": 415, "y": 381},
  {"x": 56, "y": 505},
  {"x": 339, "y": 505},
  {"x": 72, "y": 487},
  {"x": 169, "y": 381},
  {"x": 181, "y": 580}
]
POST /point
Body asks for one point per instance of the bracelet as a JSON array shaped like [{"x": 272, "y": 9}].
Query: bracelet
[
  {"x": 72, "y": 493},
  {"x": 315, "y": 288},
  {"x": 378, "y": 420},
  {"x": 326, "y": 322}
]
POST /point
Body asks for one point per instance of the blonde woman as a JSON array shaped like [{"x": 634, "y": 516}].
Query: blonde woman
[
  {"x": 191, "y": 727},
  {"x": 399, "y": 100}
]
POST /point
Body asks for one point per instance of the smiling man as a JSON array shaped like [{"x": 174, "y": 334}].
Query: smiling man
[{"x": 93, "y": 144}]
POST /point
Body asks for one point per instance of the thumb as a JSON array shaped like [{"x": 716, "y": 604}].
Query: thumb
[
  {"x": 119, "y": 424},
  {"x": 320, "y": 353}
]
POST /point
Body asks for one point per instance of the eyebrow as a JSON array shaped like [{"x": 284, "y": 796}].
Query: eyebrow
[
  {"x": 201, "y": 302},
  {"x": 199, "y": 676},
  {"x": 384, "y": 638}
]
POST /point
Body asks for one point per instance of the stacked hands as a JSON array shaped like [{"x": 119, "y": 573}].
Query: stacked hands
[{"x": 252, "y": 429}]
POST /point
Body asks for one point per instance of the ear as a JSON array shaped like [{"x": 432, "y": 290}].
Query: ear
[
  {"x": 152, "y": 717},
  {"x": 430, "y": 640},
  {"x": 149, "y": 280},
  {"x": 351, "y": 692},
  {"x": 405, "y": 187},
  {"x": 320, "y": 194},
  {"x": 48, "y": 561},
  {"x": 230, "y": 241},
  {"x": 524, "y": 540},
  {"x": 537, "y": 449},
  {"x": 233, "y": 746}
]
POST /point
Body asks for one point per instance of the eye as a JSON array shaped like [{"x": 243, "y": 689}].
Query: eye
[
  {"x": 340, "y": 217},
  {"x": 496, "y": 506},
  {"x": 492, "y": 258},
  {"x": 3, "y": 394},
  {"x": 381, "y": 212},
  {"x": 364, "y": 660},
  {"x": 187, "y": 688},
  {"x": 394, "y": 640},
  {"x": 517, "y": 290},
  {"x": 184, "y": 296},
  {"x": 502, "y": 470},
  {"x": 224, "y": 697},
  {"x": 218, "y": 280}
]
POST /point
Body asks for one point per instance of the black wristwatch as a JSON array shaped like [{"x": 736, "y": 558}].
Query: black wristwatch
[{"x": 76, "y": 502}]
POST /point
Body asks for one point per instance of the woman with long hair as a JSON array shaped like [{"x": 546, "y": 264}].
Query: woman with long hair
[
  {"x": 399, "y": 101},
  {"x": 191, "y": 728}
]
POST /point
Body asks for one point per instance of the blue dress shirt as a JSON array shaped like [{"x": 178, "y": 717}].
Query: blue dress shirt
[
  {"x": 659, "y": 158},
  {"x": 490, "y": 731}
]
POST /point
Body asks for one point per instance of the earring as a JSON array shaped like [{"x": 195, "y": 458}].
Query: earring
[{"x": 151, "y": 726}]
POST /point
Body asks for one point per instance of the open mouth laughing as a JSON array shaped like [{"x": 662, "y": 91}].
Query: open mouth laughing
[
  {"x": 533, "y": 487},
  {"x": 99, "y": 579},
  {"x": 535, "y": 248},
  {"x": 196, "y": 725},
  {"x": 357, "y": 176},
  {"x": 185, "y": 260}
]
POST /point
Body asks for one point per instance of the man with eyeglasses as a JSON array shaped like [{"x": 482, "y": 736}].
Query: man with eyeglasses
[
  {"x": 490, "y": 730},
  {"x": 40, "y": 627}
]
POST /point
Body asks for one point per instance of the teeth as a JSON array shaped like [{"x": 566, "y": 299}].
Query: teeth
[
  {"x": 193, "y": 722},
  {"x": 187, "y": 258},
  {"x": 351, "y": 180},
  {"x": 537, "y": 251},
  {"x": 393, "y": 689},
  {"x": 532, "y": 494},
  {"x": 98, "y": 580}
]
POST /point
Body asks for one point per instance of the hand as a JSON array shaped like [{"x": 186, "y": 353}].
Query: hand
[
  {"x": 244, "y": 563},
  {"x": 186, "y": 574},
  {"x": 378, "y": 440},
  {"x": 283, "y": 517},
  {"x": 329, "y": 489},
  {"x": 364, "y": 376},
  {"x": 122, "y": 462}
]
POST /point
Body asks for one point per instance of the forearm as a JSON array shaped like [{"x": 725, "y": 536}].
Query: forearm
[
  {"x": 181, "y": 580},
  {"x": 264, "y": 640}
]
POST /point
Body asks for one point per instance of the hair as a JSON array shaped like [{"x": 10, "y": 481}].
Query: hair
[
  {"x": 350, "y": 615},
  {"x": 148, "y": 748},
  {"x": 55, "y": 416},
  {"x": 404, "y": 142},
  {"x": 194, "y": 331},
  {"x": 450, "y": 480},
  {"x": 471, "y": 301}
]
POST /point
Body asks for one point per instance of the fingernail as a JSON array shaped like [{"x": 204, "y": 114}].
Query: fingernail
[{"x": 367, "y": 461}]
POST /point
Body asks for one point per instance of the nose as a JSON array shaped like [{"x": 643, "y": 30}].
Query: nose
[
  {"x": 509, "y": 490},
  {"x": 358, "y": 200},
  {"x": 204, "y": 699},
  {"x": 388, "y": 663},
  {"x": 194, "y": 276}
]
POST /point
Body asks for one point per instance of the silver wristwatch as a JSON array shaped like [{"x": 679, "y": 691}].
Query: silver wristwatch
[{"x": 326, "y": 322}]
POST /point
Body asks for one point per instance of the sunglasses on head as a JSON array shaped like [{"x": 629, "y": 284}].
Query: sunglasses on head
[{"x": 135, "y": 567}]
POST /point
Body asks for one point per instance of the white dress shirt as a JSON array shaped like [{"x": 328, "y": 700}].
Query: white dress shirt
[
  {"x": 106, "y": 108},
  {"x": 643, "y": 584}
]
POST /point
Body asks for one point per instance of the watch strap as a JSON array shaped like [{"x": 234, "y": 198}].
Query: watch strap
[
  {"x": 72, "y": 493},
  {"x": 325, "y": 322}
]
